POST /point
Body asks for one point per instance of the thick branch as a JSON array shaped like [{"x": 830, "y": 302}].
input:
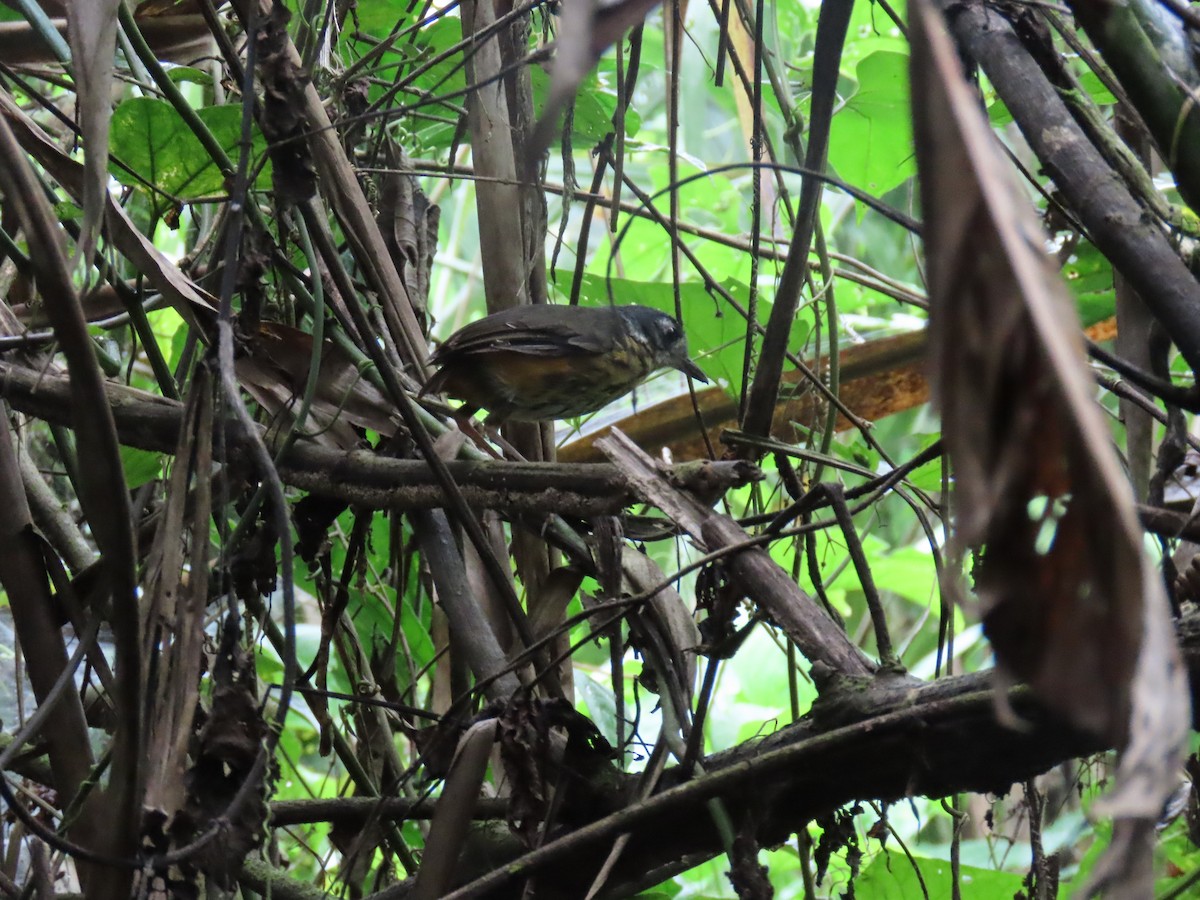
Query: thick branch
[
  {"x": 816, "y": 635},
  {"x": 362, "y": 478},
  {"x": 885, "y": 739},
  {"x": 101, "y": 492},
  {"x": 935, "y": 743},
  {"x": 1151, "y": 55}
]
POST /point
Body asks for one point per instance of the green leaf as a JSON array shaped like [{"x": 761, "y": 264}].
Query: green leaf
[
  {"x": 374, "y": 626},
  {"x": 1091, "y": 83},
  {"x": 759, "y": 672},
  {"x": 905, "y": 571},
  {"x": 174, "y": 352},
  {"x": 68, "y": 211},
  {"x": 189, "y": 74},
  {"x": 870, "y": 31},
  {"x": 891, "y": 876},
  {"x": 380, "y": 17},
  {"x": 446, "y": 78},
  {"x": 999, "y": 115},
  {"x": 929, "y": 476},
  {"x": 308, "y": 642},
  {"x": 151, "y": 138},
  {"x": 1090, "y": 277},
  {"x": 871, "y": 144},
  {"x": 600, "y": 703},
  {"x": 141, "y": 466},
  {"x": 1175, "y": 856},
  {"x": 595, "y": 105}
]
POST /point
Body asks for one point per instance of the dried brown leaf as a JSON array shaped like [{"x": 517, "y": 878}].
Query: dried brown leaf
[
  {"x": 93, "y": 34},
  {"x": 559, "y": 588},
  {"x": 226, "y": 751},
  {"x": 409, "y": 225},
  {"x": 275, "y": 371},
  {"x": 1071, "y": 604},
  {"x": 1037, "y": 483},
  {"x": 666, "y": 611},
  {"x": 454, "y": 812},
  {"x": 283, "y": 121},
  {"x": 177, "y": 596}
]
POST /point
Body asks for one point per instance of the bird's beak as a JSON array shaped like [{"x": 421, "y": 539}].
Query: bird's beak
[{"x": 688, "y": 367}]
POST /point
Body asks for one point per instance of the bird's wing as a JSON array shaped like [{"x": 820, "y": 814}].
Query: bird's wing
[{"x": 535, "y": 330}]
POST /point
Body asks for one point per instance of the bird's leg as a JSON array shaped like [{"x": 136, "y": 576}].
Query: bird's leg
[
  {"x": 467, "y": 427},
  {"x": 491, "y": 427},
  {"x": 486, "y": 434}
]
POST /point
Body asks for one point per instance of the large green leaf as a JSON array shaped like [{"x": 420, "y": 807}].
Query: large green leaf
[
  {"x": 1090, "y": 277},
  {"x": 1091, "y": 83},
  {"x": 891, "y": 876},
  {"x": 905, "y": 571},
  {"x": 445, "y": 79},
  {"x": 595, "y": 104},
  {"x": 871, "y": 30},
  {"x": 151, "y": 138},
  {"x": 140, "y": 466},
  {"x": 870, "y": 144},
  {"x": 380, "y": 17}
]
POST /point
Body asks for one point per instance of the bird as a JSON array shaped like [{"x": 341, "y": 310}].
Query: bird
[{"x": 543, "y": 362}]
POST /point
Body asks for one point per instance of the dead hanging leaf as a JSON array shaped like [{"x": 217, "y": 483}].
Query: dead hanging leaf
[
  {"x": 225, "y": 751},
  {"x": 1071, "y": 604},
  {"x": 177, "y": 596},
  {"x": 92, "y": 29},
  {"x": 275, "y": 370},
  {"x": 1036, "y": 481},
  {"x": 547, "y": 747},
  {"x": 559, "y": 588},
  {"x": 283, "y": 121},
  {"x": 409, "y": 225},
  {"x": 526, "y": 753},
  {"x": 667, "y": 613},
  {"x": 454, "y": 812}
]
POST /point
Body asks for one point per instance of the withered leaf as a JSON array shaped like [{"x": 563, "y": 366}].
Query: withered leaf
[{"x": 1072, "y": 606}]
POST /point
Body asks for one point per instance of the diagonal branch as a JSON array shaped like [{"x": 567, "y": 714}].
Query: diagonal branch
[
  {"x": 772, "y": 589},
  {"x": 887, "y": 741}
]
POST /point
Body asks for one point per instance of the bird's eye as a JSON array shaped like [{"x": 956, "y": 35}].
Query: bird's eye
[{"x": 670, "y": 330}]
